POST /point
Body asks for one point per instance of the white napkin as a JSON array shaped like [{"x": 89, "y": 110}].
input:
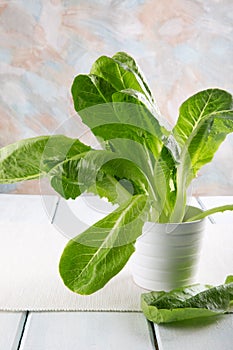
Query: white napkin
[{"x": 29, "y": 277}]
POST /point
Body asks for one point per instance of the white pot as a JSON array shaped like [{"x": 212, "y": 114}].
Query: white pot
[{"x": 166, "y": 255}]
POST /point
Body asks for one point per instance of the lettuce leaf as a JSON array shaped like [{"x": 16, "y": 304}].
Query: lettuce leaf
[
  {"x": 92, "y": 258},
  {"x": 35, "y": 157},
  {"x": 187, "y": 302},
  {"x": 205, "y": 119}
]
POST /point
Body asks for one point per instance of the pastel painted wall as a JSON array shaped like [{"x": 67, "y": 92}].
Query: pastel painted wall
[{"x": 181, "y": 45}]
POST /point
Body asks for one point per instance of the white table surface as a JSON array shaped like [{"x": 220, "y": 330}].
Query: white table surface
[{"x": 103, "y": 330}]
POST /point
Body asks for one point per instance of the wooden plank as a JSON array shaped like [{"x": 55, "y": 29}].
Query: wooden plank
[
  {"x": 211, "y": 202},
  {"x": 11, "y": 326},
  {"x": 27, "y": 208},
  {"x": 202, "y": 334},
  {"x": 86, "y": 330}
]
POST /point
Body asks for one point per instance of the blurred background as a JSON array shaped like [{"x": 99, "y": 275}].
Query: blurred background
[{"x": 182, "y": 46}]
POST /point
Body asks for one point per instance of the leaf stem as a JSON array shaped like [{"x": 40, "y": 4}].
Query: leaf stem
[{"x": 203, "y": 214}]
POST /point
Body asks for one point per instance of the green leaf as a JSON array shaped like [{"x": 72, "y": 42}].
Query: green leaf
[
  {"x": 138, "y": 112},
  {"x": 126, "y": 120},
  {"x": 132, "y": 108},
  {"x": 64, "y": 177},
  {"x": 90, "y": 90},
  {"x": 101, "y": 172},
  {"x": 122, "y": 72},
  {"x": 98, "y": 87},
  {"x": 107, "y": 120},
  {"x": 229, "y": 279},
  {"x": 126, "y": 174},
  {"x": 91, "y": 259},
  {"x": 209, "y": 137},
  {"x": 205, "y": 120},
  {"x": 22, "y": 160},
  {"x": 31, "y": 158},
  {"x": 118, "y": 75},
  {"x": 138, "y": 115},
  {"x": 187, "y": 302},
  {"x": 115, "y": 190},
  {"x": 197, "y": 108},
  {"x": 108, "y": 132},
  {"x": 127, "y": 62}
]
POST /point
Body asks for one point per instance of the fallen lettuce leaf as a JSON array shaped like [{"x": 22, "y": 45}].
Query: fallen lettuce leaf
[{"x": 188, "y": 302}]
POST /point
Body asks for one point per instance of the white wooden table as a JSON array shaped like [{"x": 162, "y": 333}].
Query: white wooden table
[{"x": 103, "y": 330}]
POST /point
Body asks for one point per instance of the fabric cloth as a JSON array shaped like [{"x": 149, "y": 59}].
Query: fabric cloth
[{"x": 29, "y": 277}]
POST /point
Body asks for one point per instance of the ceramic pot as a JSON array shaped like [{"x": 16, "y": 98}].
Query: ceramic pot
[{"x": 167, "y": 255}]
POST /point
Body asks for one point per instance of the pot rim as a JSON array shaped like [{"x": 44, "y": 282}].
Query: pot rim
[{"x": 183, "y": 222}]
